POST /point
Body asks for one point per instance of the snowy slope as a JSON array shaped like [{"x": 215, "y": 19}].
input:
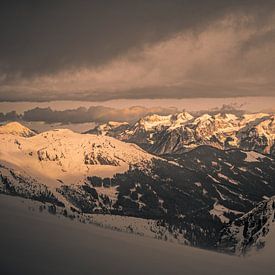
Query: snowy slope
[
  {"x": 62, "y": 155},
  {"x": 34, "y": 242},
  {"x": 38, "y": 166}
]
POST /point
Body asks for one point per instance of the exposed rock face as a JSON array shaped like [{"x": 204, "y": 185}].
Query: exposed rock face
[
  {"x": 250, "y": 231},
  {"x": 260, "y": 136}
]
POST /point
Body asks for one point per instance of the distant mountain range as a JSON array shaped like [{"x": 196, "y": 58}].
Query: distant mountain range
[
  {"x": 183, "y": 132},
  {"x": 196, "y": 193}
]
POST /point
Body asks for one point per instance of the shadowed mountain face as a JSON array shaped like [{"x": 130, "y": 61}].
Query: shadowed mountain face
[
  {"x": 182, "y": 132},
  {"x": 251, "y": 231},
  {"x": 196, "y": 193}
]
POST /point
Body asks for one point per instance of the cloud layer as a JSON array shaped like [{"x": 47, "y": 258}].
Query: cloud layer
[
  {"x": 101, "y": 114},
  {"x": 93, "y": 114},
  {"x": 224, "y": 50}
]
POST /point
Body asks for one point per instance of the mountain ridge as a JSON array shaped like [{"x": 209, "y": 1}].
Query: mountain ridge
[{"x": 183, "y": 132}]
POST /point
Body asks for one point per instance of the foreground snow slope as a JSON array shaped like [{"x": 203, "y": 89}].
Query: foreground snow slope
[{"x": 41, "y": 243}]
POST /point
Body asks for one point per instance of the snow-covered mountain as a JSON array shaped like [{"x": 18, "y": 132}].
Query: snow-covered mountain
[
  {"x": 15, "y": 128},
  {"x": 204, "y": 130},
  {"x": 183, "y": 132},
  {"x": 59, "y": 155},
  {"x": 259, "y": 136},
  {"x": 143, "y": 131},
  {"x": 196, "y": 193}
]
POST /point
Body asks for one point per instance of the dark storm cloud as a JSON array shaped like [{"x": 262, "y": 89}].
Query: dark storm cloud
[
  {"x": 44, "y": 36},
  {"x": 259, "y": 40},
  {"x": 10, "y": 116},
  {"x": 99, "y": 50}
]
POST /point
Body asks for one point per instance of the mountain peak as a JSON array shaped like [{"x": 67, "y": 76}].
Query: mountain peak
[
  {"x": 184, "y": 115},
  {"x": 109, "y": 128},
  {"x": 17, "y": 129},
  {"x": 226, "y": 116},
  {"x": 152, "y": 121},
  {"x": 203, "y": 118},
  {"x": 155, "y": 118}
]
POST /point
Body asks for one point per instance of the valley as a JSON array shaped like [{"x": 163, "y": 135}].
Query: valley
[{"x": 194, "y": 195}]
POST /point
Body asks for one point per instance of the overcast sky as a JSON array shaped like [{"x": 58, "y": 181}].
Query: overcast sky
[{"x": 103, "y": 50}]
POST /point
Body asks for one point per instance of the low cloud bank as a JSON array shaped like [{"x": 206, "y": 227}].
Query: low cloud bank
[
  {"x": 10, "y": 116},
  {"x": 101, "y": 114},
  {"x": 82, "y": 115}
]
